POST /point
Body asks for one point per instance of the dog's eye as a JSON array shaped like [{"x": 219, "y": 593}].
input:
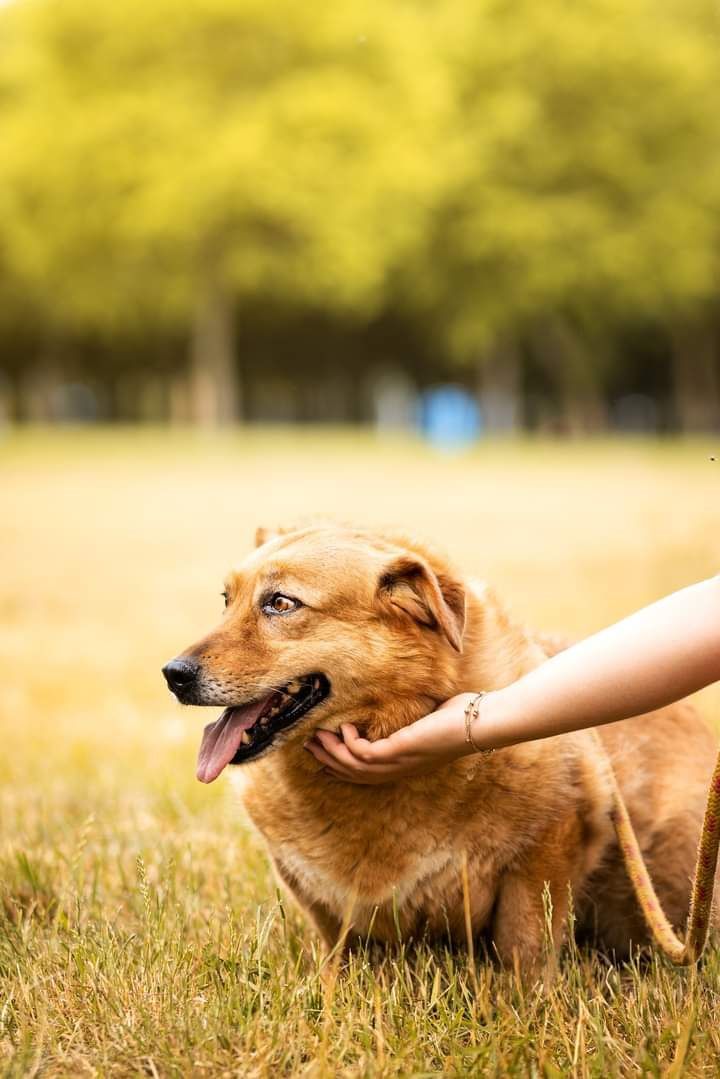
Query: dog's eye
[
  {"x": 280, "y": 604},
  {"x": 226, "y": 597}
]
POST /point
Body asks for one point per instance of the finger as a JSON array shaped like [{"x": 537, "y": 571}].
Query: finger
[
  {"x": 383, "y": 751},
  {"x": 360, "y": 770},
  {"x": 330, "y": 764},
  {"x": 333, "y": 769},
  {"x": 341, "y": 753}
]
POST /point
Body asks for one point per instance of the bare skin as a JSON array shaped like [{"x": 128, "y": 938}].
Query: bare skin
[{"x": 649, "y": 659}]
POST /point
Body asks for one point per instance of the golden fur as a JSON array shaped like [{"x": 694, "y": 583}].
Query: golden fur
[{"x": 397, "y": 631}]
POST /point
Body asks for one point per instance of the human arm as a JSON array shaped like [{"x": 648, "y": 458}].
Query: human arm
[{"x": 652, "y": 657}]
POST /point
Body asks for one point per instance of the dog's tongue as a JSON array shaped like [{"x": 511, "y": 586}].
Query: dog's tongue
[{"x": 221, "y": 739}]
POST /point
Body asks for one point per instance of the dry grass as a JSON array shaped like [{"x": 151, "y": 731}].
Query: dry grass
[{"x": 140, "y": 930}]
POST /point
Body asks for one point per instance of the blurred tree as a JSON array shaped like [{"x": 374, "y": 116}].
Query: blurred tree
[
  {"x": 172, "y": 162},
  {"x": 519, "y": 181},
  {"x": 586, "y": 184}
]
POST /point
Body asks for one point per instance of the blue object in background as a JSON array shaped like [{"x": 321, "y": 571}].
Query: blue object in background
[{"x": 449, "y": 417}]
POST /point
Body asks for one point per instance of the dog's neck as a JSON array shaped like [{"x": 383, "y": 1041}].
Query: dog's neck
[{"x": 496, "y": 651}]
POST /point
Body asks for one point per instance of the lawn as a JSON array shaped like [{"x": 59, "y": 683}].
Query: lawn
[{"x": 141, "y": 932}]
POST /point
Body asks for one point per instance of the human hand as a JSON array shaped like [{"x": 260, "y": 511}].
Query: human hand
[{"x": 421, "y": 747}]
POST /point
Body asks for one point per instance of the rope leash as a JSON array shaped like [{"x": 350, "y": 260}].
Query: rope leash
[{"x": 686, "y": 952}]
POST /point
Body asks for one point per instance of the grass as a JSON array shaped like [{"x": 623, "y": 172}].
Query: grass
[{"x": 140, "y": 929}]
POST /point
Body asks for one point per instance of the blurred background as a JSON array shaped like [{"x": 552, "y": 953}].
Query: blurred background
[{"x": 225, "y": 211}]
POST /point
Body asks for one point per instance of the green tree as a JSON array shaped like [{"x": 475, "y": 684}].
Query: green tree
[
  {"x": 586, "y": 183},
  {"x": 520, "y": 180},
  {"x": 171, "y": 163}
]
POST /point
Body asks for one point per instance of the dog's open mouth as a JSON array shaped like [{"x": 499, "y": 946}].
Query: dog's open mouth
[{"x": 245, "y": 731}]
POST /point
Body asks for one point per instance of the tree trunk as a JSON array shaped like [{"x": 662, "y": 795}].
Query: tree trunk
[
  {"x": 499, "y": 388},
  {"x": 573, "y": 371},
  {"x": 7, "y": 409},
  {"x": 179, "y": 400},
  {"x": 37, "y": 392},
  {"x": 696, "y": 379},
  {"x": 214, "y": 383}
]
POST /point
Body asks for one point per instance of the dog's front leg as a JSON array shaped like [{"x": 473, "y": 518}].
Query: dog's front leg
[
  {"x": 519, "y": 924},
  {"x": 328, "y": 927}
]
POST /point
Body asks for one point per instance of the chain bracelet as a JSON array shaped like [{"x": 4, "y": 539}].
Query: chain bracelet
[{"x": 472, "y": 711}]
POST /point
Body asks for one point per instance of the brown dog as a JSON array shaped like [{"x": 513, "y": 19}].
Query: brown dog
[{"x": 327, "y": 625}]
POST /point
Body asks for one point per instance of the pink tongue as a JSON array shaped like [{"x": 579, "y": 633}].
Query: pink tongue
[{"x": 221, "y": 739}]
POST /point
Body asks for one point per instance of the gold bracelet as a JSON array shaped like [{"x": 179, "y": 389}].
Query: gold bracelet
[{"x": 472, "y": 711}]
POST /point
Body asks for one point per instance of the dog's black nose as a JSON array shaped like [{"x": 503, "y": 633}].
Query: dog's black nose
[{"x": 180, "y": 673}]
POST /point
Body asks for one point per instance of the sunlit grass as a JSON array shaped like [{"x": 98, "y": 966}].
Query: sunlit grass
[{"x": 140, "y": 928}]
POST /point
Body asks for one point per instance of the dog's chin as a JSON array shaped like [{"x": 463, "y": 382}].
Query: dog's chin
[{"x": 247, "y": 732}]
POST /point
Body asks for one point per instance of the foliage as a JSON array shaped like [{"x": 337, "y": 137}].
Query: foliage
[
  {"x": 477, "y": 168},
  {"x": 274, "y": 150},
  {"x": 588, "y": 164}
]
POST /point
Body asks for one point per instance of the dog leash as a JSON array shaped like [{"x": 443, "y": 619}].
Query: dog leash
[{"x": 687, "y": 952}]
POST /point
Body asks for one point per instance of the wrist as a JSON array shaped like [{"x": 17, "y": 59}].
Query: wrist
[
  {"x": 487, "y": 728},
  {"x": 454, "y": 736}
]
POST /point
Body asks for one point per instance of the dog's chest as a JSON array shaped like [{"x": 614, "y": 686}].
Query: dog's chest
[
  {"x": 372, "y": 849},
  {"x": 400, "y": 868},
  {"x": 423, "y": 897},
  {"x": 369, "y": 883}
]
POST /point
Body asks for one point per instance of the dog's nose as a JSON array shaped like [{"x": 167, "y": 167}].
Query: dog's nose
[{"x": 180, "y": 673}]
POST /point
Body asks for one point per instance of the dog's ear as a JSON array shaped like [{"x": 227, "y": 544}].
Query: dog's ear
[
  {"x": 264, "y": 535},
  {"x": 433, "y": 599}
]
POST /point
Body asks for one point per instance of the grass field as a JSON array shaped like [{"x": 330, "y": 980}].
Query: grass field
[{"x": 140, "y": 929}]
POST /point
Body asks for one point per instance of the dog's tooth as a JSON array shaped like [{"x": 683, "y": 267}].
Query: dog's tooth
[
  {"x": 316, "y": 683},
  {"x": 245, "y": 738},
  {"x": 295, "y": 686}
]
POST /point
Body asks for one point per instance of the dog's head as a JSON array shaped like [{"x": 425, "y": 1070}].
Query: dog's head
[{"x": 322, "y": 625}]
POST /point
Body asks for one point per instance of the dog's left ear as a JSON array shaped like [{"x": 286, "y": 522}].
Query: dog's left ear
[
  {"x": 433, "y": 599},
  {"x": 264, "y": 535}
]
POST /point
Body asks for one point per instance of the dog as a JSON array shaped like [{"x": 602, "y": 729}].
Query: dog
[{"x": 328, "y": 624}]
